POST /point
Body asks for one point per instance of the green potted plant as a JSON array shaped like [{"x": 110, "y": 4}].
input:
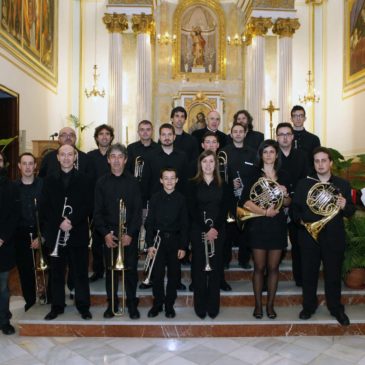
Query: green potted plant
[{"x": 353, "y": 268}]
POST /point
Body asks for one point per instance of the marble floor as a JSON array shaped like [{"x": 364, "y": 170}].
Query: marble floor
[{"x": 17, "y": 350}]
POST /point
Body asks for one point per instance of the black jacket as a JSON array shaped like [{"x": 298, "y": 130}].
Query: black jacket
[{"x": 79, "y": 196}]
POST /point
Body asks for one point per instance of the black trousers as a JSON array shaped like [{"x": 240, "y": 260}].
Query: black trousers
[
  {"x": 24, "y": 262},
  {"x": 78, "y": 258},
  {"x": 130, "y": 274},
  {"x": 206, "y": 284},
  {"x": 166, "y": 257},
  {"x": 332, "y": 257},
  {"x": 97, "y": 249},
  {"x": 295, "y": 252}
]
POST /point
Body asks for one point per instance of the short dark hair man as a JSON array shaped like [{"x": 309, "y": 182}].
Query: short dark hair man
[{"x": 330, "y": 244}]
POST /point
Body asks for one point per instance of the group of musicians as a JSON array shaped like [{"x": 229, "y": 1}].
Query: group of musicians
[{"x": 177, "y": 198}]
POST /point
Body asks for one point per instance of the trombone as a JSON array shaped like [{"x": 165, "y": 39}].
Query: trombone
[
  {"x": 150, "y": 261},
  {"x": 62, "y": 237},
  {"x": 223, "y": 164},
  {"x": 138, "y": 167},
  {"x": 142, "y": 233},
  {"x": 209, "y": 246},
  {"x": 119, "y": 262}
]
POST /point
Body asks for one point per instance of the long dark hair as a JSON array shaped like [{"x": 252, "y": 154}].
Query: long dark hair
[
  {"x": 265, "y": 144},
  {"x": 199, "y": 177}
]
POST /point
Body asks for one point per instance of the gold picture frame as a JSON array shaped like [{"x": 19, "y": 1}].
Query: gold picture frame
[
  {"x": 200, "y": 46},
  {"x": 29, "y": 32},
  {"x": 354, "y": 44}
]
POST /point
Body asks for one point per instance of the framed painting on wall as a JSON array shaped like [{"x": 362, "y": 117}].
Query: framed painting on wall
[
  {"x": 354, "y": 43},
  {"x": 200, "y": 39},
  {"x": 28, "y": 30}
]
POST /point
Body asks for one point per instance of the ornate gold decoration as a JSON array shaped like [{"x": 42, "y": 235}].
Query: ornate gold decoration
[
  {"x": 285, "y": 27},
  {"x": 214, "y": 6},
  {"x": 273, "y": 4},
  {"x": 142, "y": 23},
  {"x": 311, "y": 95},
  {"x": 115, "y": 23},
  {"x": 200, "y": 97},
  {"x": 257, "y": 27},
  {"x": 314, "y": 2},
  {"x": 130, "y": 2},
  {"x": 271, "y": 110}
]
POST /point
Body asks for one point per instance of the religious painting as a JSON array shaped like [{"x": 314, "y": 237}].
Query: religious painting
[
  {"x": 28, "y": 30},
  {"x": 199, "y": 28},
  {"x": 354, "y": 73}
]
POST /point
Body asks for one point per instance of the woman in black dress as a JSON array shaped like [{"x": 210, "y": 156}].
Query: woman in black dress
[
  {"x": 208, "y": 205},
  {"x": 267, "y": 233}
]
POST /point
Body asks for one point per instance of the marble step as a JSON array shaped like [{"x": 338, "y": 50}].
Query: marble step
[
  {"x": 231, "y": 322},
  {"x": 241, "y": 295}
]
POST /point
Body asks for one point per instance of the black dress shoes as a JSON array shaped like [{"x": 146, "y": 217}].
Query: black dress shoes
[
  {"x": 170, "y": 311},
  {"x": 212, "y": 315},
  {"x": 342, "y": 319},
  {"x": 181, "y": 286},
  {"x": 108, "y": 313},
  {"x": 145, "y": 286},
  {"x": 53, "y": 314},
  {"x": 305, "y": 314},
  {"x": 257, "y": 313},
  {"x": 271, "y": 313},
  {"x": 7, "y": 329},
  {"x": 201, "y": 315},
  {"x": 225, "y": 286},
  {"x": 95, "y": 276},
  {"x": 154, "y": 311},
  {"x": 86, "y": 315}
]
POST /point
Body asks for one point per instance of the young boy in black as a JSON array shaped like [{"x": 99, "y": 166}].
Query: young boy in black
[{"x": 168, "y": 217}]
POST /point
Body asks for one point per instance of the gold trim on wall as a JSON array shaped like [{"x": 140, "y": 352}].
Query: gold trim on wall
[
  {"x": 115, "y": 23},
  {"x": 285, "y": 27},
  {"x": 356, "y": 80},
  {"x": 20, "y": 51},
  {"x": 142, "y": 23},
  {"x": 221, "y": 51},
  {"x": 257, "y": 27}
]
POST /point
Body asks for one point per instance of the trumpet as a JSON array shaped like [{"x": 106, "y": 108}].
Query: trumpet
[
  {"x": 237, "y": 192},
  {"x": 119, "y": 263},
  {"x": 142, "y": 233},
  {"x": 264, "y": 193},
  {"x": 62, "y": 236},
  {"x": 322, "y": 199},
  {"x": 150, "y": 261},
  {"x": 209, "y": 246},
  {"x": 138, "y": 167},
  {"x": 223, "y": 164}
]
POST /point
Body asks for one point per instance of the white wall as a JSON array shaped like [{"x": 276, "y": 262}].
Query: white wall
[{"x": 42, "y": 111}]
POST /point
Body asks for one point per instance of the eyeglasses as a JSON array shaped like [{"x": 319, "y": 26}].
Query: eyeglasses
[
  {"x": 298, "y": 116},
  {"x": 285, "y": 134}
]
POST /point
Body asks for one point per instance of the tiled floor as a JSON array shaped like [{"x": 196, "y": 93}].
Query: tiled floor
[{"x": 16, "y": 350}]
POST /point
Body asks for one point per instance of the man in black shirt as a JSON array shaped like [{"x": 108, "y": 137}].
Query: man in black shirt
[
  {"x": 293, "y": 161},
  {"x": 110, "y": 189},
  {"x": 50, "y": 165},
  {"x": 303, "y": 140},
  {"x": 65, "y": 208},
  {"x": 252, "y": 138},
  {"x": 329, "y": 247},
  {"x": 25, "y": 239},
  {"x": 142, "y": 148},
  {"x": 213, "y": 121},
  {"x": 183, "y": 140},
  {"x": 167, "y": 217},
  {"x": 98, "y": 166}
]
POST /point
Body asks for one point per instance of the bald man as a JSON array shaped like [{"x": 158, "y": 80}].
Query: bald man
[
  {"x": 213, "y": 121},
  {"x": 50, "y": 164}
]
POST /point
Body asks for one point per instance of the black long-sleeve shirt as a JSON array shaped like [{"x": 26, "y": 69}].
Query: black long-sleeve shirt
[
  {"x": 187, "y": 143},
  {"x": 97, "y": 165},
  {"x": 167, "y": 213},
  {"x": 26, "y": 195},
  {"x": 139, "y": 149},
  {"x": 211, "y": 199},
  {"x": 109, "y": 190},
  {"x": 153, "y": 165},
  {"x": 306, "y": 141}
]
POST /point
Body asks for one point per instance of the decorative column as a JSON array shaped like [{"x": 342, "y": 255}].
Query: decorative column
[
  {"x": 255, "y": 31},
  {"x": 116, "y": 24},
  {"x": 143, "y": 26},
  {"x": 285, "y": 28}
]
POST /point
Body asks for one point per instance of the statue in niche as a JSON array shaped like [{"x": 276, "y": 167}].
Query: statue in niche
[{"x": 198, "y": 47}]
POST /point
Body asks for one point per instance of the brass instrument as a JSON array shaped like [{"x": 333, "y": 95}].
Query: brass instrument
[
  {"x": 119, "y": 262},
  {"x": 138, "y": 167},
  {"x": 223, "y": 164},
  {"x": 264, "y": 193},
  {"x": 150, "y": 261},
  {"x": 322, "y": 199},
  {"x": 76, "y": 163},
  {"x": 142, "y": 233},
  {"x": 62, "y": 236},
  {"x": 209, "y": 246},
  {"x": 237, "y": 192}
]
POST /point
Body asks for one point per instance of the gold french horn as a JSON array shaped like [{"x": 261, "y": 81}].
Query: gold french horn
[
  {"x": 264, "y": 193},
  {"x": 322, "y": 200}
]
